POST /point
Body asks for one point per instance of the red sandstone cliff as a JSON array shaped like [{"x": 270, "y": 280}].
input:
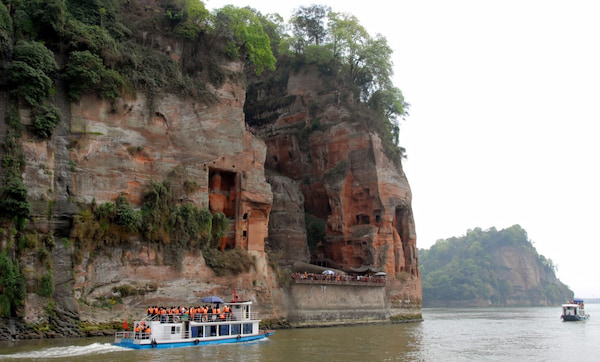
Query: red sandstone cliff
[
  {"x": 337, "y": 172},
  {"x": 346, "y": 180},
  {"x": 119, "y": 149}
]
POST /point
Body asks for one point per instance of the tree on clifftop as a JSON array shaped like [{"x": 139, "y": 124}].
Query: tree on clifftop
[
  {"x": 247, "y": 36},
  {"x": 308, "y": 23}
]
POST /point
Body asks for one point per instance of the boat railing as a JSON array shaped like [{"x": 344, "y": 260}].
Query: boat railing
[
  {"x": 125, "y": 335},
  {"x": 132, "y": 335},
  {"x": 207, "y": 318},
  {"x": 200, "y": 317}
]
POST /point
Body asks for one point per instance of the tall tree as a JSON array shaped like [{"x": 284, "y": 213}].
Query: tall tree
[
  {"x": 367, "y": 58},
  {"x": 308, "y": 22},
  {"x": 249, "y": 37}
]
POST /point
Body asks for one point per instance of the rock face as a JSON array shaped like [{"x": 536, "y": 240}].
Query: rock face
[
  {"x": 524, "y": 274},
  {"x": 346, "y": 178},
  {"x": 106, "y": 150},
  {"x": 115, "y": 152},
  {"x": 287, "y": 227},
  {"x": 265, "y": 180}
]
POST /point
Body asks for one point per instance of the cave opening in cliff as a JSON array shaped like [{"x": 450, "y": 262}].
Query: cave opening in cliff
[
  {"x": 362, "y": 219},
  {"x": 223, "y": 197},
  {"x": 222, "y": 192},
  {"x": 377, "y": 214}
]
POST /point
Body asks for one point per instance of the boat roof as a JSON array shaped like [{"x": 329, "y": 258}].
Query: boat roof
[{"x": 239, "y": 302}]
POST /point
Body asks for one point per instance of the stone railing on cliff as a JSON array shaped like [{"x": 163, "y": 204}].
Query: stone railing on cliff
[{"x": 312, "y": 278}]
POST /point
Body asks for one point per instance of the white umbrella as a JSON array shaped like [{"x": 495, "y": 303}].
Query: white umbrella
[{"x": 328, "y": 272}]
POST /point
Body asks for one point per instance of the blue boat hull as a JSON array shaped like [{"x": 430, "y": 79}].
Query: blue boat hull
[
  {"x": 573, "y": 318},
  {"x": 129, "y": 343}
]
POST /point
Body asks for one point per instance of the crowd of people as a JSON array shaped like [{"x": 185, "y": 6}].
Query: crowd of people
[
  {"x": 203, "y": 313},
  {"x": 142, "y": 331},
  {"x": 340, "y": 278}
]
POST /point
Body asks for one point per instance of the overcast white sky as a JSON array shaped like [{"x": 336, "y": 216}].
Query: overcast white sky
[{"x": 504, "y": 118}]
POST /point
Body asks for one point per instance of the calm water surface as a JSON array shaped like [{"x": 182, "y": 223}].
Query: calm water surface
[{"x": 474, "y": 334}]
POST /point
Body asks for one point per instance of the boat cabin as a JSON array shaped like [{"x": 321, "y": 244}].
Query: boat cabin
[{"x": 574, "y": 311}]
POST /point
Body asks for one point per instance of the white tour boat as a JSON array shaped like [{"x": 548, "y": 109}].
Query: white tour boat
[
  {"x": 574, "y": 311},
  {"x": 236, "y": 322}
]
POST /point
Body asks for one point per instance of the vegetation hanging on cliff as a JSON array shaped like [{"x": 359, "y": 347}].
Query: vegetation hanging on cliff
[
  {"x": 14, "y": 203},
  {"x": 111, "y": 49},
  {"x": 12, "y": 285},
  {"x": 162, "y": 219}
]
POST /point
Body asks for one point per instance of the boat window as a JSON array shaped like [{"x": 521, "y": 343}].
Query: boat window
[
  {"x": 175, "y": 329},
  {"x": 224, "y": 330},
  {"x": 197, "y": 332},
  {"x": 247, "y": 328},
  {"x": 235, "y": 328}
]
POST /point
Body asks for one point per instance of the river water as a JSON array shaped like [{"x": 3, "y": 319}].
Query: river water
[{"x": 446, "y": 334}]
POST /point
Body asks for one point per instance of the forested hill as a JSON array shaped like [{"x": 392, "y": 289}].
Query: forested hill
[{"x": 489, "y": 267}]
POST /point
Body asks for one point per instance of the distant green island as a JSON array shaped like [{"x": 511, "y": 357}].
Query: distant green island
[{"x": 489, "y": 268}]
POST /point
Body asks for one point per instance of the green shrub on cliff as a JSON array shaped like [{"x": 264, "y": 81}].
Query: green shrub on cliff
[
  {"x": 45, "y": 118},
  {"x": 14, "y": 204},
  {"x": 46, "y": 288},
  {"x": 12, "y": 285},
  {"x": 30, "y": 72},
  {"x": 86, "y": 72},
  {"x": 125, "y": 215},
  {"x": 161, "y": 219}
]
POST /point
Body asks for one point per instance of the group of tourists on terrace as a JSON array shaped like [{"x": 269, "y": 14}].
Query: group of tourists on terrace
[
  {"x": 204, "y": 313},
  {"x": 337, "y": 278}
]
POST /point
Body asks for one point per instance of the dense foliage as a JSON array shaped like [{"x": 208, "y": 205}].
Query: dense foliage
[
  {"x": 354, "y": 66},
  {"x": 465, "y": 269}
]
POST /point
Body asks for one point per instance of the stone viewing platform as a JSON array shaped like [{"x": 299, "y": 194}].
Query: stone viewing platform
[{"x": 313, "y": 278}]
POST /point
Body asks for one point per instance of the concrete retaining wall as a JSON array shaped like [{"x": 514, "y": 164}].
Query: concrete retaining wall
[{"x": 331, "y": 304}]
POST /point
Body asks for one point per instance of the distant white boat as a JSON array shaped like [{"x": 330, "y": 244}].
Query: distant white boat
[{"x": 574, "y": 311}]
